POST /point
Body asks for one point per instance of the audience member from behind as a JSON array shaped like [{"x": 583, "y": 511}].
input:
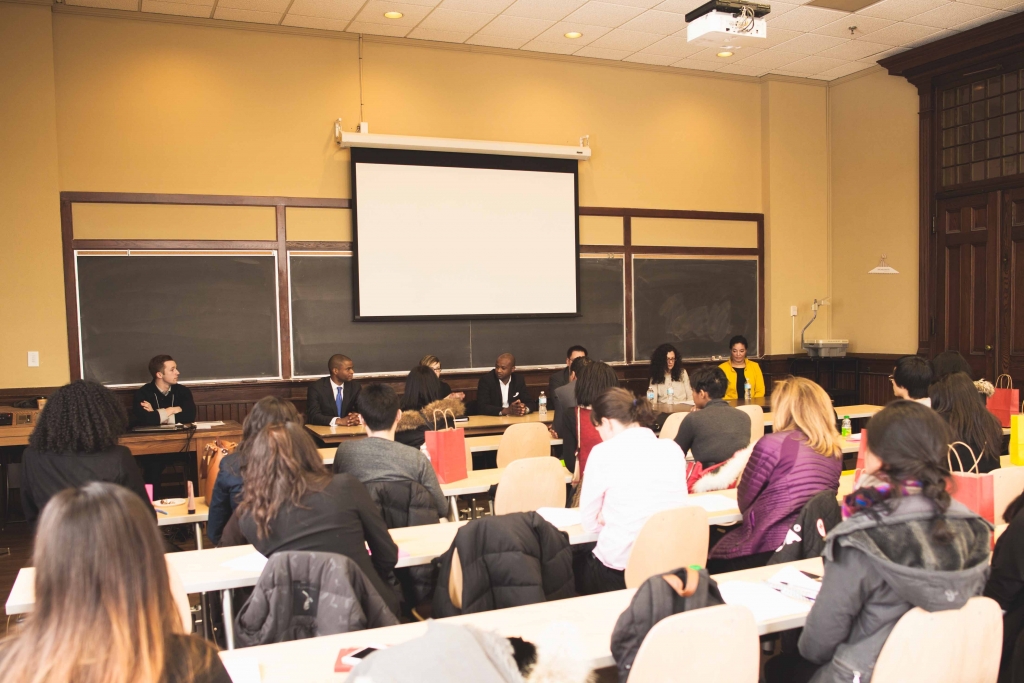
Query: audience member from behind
[
  {"x": 502, "y": 391},
  {"x": 329, "y": 400},
  {"x": 291, "y": 502},
  {"x": 1006, "y": 586},
  {"x": 378, "y": 457},
  {"x": 104, "y": 612},
  {"x": 565, "y": 395},
  {"x": 227, "y": 488},
  {"x": 423, "y": 409},
  {"x": 669, "y": 380},
  {"x": 910, "y": 379},
  {"x": 904, "y": 544},
  {"x": 715, "y": 430},
  {"x": 563, "y": 376},
  {"x": 801, "y": 458},
  {"x": 948, "y": 362},
  {"x": 434, "y": 363},
  {"x": 955, "y": 399},
  {"x": 578, "y": 433},
  {"x": 631, "y": 475},
  {"x": 74, "y": 443},
  {"x": 740, "y": 371},
  {"x": 163, "y": 401}
]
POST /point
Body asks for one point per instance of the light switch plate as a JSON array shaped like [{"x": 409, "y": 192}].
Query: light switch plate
[{"x": 33, "y": 359}]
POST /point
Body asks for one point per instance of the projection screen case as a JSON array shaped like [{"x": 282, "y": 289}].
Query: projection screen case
[{"x": 448, "y": 235}]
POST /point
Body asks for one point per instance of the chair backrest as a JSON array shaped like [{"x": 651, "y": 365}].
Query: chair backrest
[
  {"x": 528, "y": 484},
  {"x": 756, "y": 414},
  {"x": 668, "y": 540},
  {"x": 671, "y": 426},
  {"x": 721, "y": 645},
  {"x": 524, "y": 440},
  {"x": 920, "y": 649},
  {"x": 1007, "y": 483}
]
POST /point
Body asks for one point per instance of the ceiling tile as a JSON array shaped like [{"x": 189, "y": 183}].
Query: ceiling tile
[
  {"x": 806, "y": 19},
  {"x": 442, "y": 19},
  {"x": 545, "y": 46},
  {"x": 777, "y": 36},
  {"x": 814, "y": 65},
  {"x": 656, "y": 21},
  {"x": 178, "y": 8},
  {"x": 994, "y": 4},
  {"x": 985, "y": 19},
  {"x": 779, "y": 9},
  {"x": 553, "y": 10},
  {"x": 278, "y": 6},
  {"x": 943, "y": 33},
  {"x": 698, "y": 64},
  {"x": 424, "y": 3},
  {"x": 485, "y": 6},
  {"x": 132, "y": 5},
  {"x": 394, "y": 30},
  {"x": 642, "y": 4},
  {"x": 326, "y": 9},
  {"x": 421, "y": 33},
  {"x": 646, "y": 58},
  {"x": 950, "y": 15},
  {"x": 373, "y": 13},
  {"x": 873, "y": 59},
  {"x": 556, "y": 34},
  {"x": 673, "y": 46},
  {"x": 516, "y": 27},
  {"x": 811, "y": 43},
  {"x": 710, "y": 54},
  {"x": 771, "y": 59},
  {"x": 898, "y": 10},
  {"x": 900, "y": 34},
  {"x": 679, "y": 6},
  {"x": 312, "y": 22},
  {"x": 743, "y": 70},
  {"x": 854, "y": 49},
  {"x": 619, "y": 39},
  {"x": 844, "y": 70},
  {"x": 254, "y": 16},
  {"x": 497, "y": 41},
  {"x": 603, "y": 14},
  {"x": 863, "y": 26},
  {"x": 603, "y": 53}
]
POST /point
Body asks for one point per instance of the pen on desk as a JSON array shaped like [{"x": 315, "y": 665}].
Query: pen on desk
[{"x": 162, "y": 512}]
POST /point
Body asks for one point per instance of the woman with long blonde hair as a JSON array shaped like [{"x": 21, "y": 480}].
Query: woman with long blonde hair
[
  {"x": 104, "y": 612},
  {"x": 802, "y": 457}
]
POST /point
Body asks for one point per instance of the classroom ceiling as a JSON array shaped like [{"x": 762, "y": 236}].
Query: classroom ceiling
[{"x": 803, "y": 40}]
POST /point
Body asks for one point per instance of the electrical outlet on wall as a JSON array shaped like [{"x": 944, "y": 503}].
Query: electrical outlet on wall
[
  {"x": 33, "y": 359},
  {"x": 792, "y": 311}
]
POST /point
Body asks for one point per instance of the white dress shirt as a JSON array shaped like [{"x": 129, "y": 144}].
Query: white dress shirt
[
  {"x": 628, "y": 479},
  {"x": 504, "y": 386},
  {"x": 334, "y": 397},
  {"x": 926, "y": 401}
]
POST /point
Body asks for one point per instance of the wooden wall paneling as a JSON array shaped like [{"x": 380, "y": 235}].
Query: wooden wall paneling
[
  {"x": 1011, "y": 356},
  {"x": 283, "y": 293},
  {"x": 67, "y": 239},
  {"x": 205, "y": 199},
  {"x": 627, "y": 269}
]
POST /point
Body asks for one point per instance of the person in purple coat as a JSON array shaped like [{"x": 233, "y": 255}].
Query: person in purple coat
[{"x": 786, "y": 469}]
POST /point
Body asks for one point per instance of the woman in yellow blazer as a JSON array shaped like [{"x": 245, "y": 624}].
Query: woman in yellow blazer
[{"x": 738, "y": 367}]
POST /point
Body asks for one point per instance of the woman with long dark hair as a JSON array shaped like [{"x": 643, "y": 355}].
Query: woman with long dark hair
[
  {"x": 955, "y": 398},
  {"x": 669, "y": 380},
  {"x": 76, "y": 442},
  {"x": 578, "y": 433},
  {"x": 434, "y": 363},
  {"x": 421, "y": 398},
  {"x": 904, "y": 543},
  {"x": 104, "y": 612}
]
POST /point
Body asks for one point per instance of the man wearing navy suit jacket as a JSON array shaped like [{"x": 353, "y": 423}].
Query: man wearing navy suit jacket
[
  {"x": 330, "y": 400},
  {"x": 503, "y": 392}
]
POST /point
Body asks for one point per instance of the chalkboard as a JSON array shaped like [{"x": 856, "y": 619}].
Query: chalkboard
[
  {"x": 215, "y": 314},
  {"x": 322, "y": 325},
  {"x": 695, "y": 304}
]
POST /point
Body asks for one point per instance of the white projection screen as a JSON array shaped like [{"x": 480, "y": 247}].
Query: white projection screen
[{"x": 446, "y": 235}]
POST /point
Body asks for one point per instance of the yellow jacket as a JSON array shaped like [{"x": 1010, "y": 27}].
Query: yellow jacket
[{"x": 753, "y": 375}]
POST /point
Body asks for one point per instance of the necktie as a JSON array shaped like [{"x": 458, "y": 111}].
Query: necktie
[{"x": 338, "y": 400}]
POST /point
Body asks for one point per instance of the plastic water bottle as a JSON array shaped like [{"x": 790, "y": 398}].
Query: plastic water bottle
[
  {"x": 847, "y": 427},
  {"x": 746, "y": 390},
  {"x": 651, "y": 396},
  {"x": 670, "y": 393},
  {"x": 542, "y": 405}
]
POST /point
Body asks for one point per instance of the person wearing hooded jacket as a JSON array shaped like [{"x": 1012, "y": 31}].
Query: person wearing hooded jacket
[{"x": 903, "y": 544}]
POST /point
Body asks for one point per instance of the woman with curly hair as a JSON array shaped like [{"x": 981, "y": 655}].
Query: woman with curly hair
[
  {"x": 74, "y": 443},
  {"x": 669, "y": 380}
]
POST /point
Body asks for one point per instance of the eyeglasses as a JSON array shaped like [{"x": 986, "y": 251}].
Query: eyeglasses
[{"x": 892, "y": 378}]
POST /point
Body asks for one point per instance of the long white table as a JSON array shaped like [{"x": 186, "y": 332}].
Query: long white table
[
  {"x": 178, "y": 514},
  {"x": 594, "y": 616}
]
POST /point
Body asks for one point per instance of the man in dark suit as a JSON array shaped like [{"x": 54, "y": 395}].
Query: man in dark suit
[
  {"x": 562, "y": 377},
  {"x": 330, "y": 400},
  {"x": 503, "y": 392}
]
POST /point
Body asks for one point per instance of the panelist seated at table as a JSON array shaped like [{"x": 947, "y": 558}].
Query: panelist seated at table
[
  {"x": 163, "y": 401},
  {"x": 502, "y": 391},
  {"x": 740, "y": 371},
  {"x": 434, "y": 363},
  {"x": 715, "y": 430},
  {"x": 378, "y": 457},
  {"x": 329, "y": 400},
  {"x": 423, "y": 407},
  {"x": 669, "y": 380},
  {"x": 563, "y": 376}
]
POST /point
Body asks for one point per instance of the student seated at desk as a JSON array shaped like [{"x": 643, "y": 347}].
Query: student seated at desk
[
  {"x": 1006, "y": 586},
  {"x": 423, "y": 408},
  {"x": 565, "y": 396},
  {"x": 563, "y": 376},
  {"x": 669, "y": 380},
  {"x": 715, "y": 430},
  {"x": 948, "y": 362},
  {"x": 910, "y": 379},
  {"x": 631, "y": 475},
  {"x": 740, "y": 371},
  {"x": 76, "y": 442},
  {"x": 378, "y": 457},
  {"x": 502, "y": 391},
  {"x": 904, "y": 543},
  {"x": 329, "y": 400},
  {"x": 955, "y": 399},
  {"x": 292, "y": 503},
  {"x": 163, "y": 401},
  {"x": 434, "y": 363},
  {"x": 579, "y": 436},
  {"x": 227, "y": 488},
  {"x": 104, "y": 611}
]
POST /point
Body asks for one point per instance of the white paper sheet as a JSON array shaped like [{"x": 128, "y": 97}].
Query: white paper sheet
[
  {"x": 253, "y": 562},
  {"x": 561, "y": 517},
  {"x": 713, "y": 503},
  {"x": 208, "y": 425},
  {"x": 765, "y": 602},
  {"x": 793, "y": 582},
  {"x": 243, "y": 670}
]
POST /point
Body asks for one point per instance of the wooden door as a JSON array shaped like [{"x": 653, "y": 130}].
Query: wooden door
[
  {"x": 967, "y": 230},
  {"x": 1011, "y": 304}
]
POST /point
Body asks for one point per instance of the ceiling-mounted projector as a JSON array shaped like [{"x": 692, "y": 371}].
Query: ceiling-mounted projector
[{"x": 721, "y": 23}]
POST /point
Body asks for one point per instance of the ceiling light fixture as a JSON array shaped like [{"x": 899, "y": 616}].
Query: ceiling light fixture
[
  {"x": 573, "y": 35},
  {"x": 393, "y": 15},
  {"x": 725, "y": 54}
]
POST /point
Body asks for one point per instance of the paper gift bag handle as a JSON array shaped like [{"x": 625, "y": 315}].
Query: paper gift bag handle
[
  {"x": 444, "y": 417},
  {"x": 1009, "y": 382},
  {"x": 952, "y": 451}
]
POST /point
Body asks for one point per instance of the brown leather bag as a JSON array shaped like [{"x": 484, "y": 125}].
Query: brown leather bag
[{"x": 212, "y": 455}]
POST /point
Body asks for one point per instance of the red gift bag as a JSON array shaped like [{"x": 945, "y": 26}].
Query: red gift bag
[
  {"x": 861, "y": 450},
  {"x": 447, "y": 449},
  {"x": 974, "y": 490},
  {"x": 1005, "y": 401}
]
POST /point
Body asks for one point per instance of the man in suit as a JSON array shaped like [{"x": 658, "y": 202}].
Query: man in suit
[
  {"x": 330, "y": 400},
  {"x": 503, "y": 392},
  {"x": 565, "y": 418},
  {"x": 562, "y": 377}
]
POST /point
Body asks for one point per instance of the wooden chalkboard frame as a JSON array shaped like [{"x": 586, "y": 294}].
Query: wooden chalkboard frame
[{"x": 281, "y": 244}]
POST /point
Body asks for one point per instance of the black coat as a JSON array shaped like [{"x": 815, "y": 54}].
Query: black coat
[
  {"x": 488, "y": 393},
  {"x": 507, "y": 561},
  {"x": 1006, "y": 586},
  {"x": 806, "y": 536},
  {"x": 180, "y": 396},
  {"x": 321, "y": 405},
  {"x": 559, "y": 379},
  {"x": 402, "y": 504}
]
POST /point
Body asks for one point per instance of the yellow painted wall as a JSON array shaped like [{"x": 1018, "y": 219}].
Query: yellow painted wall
[
  {"x": 31, "y": 270},
  {"x": 874, "y": 124},
  {"x": 172, "y": 222}
]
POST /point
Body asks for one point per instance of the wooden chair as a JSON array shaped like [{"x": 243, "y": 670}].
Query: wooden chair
[
  {"x": 1007, "y": 483},
  {"x": 529, "y": 484},
  {"x": 711, "y": 644},
  {"x": 671, "y": 426},
  {"x": 668, "y": 540},
  {"x": 756, "y": 414},
  {"x": 919, "y": 649},
  {"x": 524, "y": 440}
]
